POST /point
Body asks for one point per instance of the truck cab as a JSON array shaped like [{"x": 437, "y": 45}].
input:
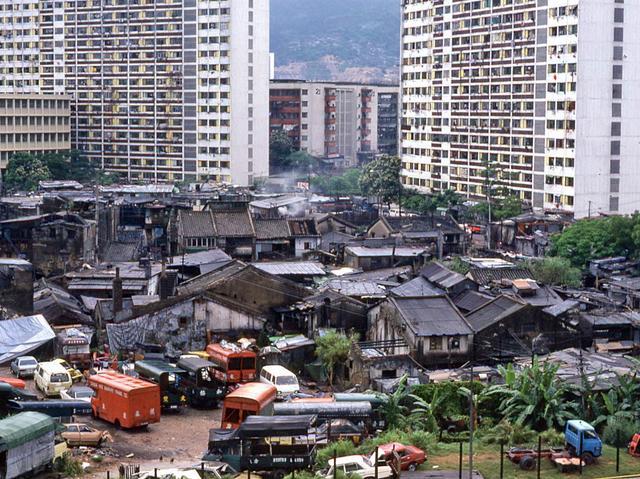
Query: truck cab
[{"x": 582, "y": 440}]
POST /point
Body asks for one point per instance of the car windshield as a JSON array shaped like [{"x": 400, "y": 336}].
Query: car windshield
[
  {"x": 28, "y": 362},
  {"x": 590, "y": 435},
  {"x": 83, "y": 394},
  {"x": 287, "y": 381},
  {"x": 59, "y": 377}
]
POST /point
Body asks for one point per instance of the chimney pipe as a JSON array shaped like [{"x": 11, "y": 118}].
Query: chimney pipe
[{"x": 117, "y": 292}]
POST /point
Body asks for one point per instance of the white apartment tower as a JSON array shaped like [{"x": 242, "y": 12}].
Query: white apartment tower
[
  {"x": 161, "y": 90},
  {"x": 542, "y": 94}
]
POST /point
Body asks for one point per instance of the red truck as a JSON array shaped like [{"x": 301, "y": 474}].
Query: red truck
[
  {"x": 124, "y": 401},
  {"x": 233, "y": 364}
]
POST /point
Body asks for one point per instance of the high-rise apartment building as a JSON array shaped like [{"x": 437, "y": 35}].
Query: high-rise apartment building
[
  {"x": 336, "y": 119},
  {"x": 33, "y": 123},
  {"x": 544, "y": 95},
  {"x": 160, "y": 90}
]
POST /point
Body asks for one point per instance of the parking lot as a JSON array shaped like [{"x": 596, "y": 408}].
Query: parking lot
[{"x": 178, "y": 440}]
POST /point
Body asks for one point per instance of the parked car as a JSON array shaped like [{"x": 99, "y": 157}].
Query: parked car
[
  {"x": 77, "y": 392},
  {"x": 410, "y": 456},
  {"x": 51, "y": 378},
  {"x": 24, "y": 366},
  {"x": 362, "y": 466},
  {"x": 75, "y": 374},
  {"x": 78, "y": 434},
  {"x": 285, "y": 381}
]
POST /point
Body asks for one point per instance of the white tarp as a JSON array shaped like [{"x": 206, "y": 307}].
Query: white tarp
[{"x": 21, "y": 335}]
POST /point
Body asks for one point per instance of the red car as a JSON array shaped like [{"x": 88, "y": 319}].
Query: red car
[{"x": 410, "y": 456}]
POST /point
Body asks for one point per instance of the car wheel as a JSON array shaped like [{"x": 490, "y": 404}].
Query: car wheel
[
  {"x": 588, "y": 458},
  {"x": 413, "y": 466},
  {"x": 528, "y": 463}
]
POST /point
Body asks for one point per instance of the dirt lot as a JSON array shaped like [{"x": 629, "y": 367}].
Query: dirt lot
[{"x": 178, "y": 440}]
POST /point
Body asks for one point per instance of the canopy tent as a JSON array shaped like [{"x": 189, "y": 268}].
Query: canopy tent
[{"x": 22, "y": 335}]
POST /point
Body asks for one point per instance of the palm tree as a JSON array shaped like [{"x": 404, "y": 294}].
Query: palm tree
[
  {"x": 425, "y": 413},
  {"x": 395, "y": 410},
  {"x": 534, "y": 397}
]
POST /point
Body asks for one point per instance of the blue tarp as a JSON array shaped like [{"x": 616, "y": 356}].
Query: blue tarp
[{"x": 22, "y": 335}]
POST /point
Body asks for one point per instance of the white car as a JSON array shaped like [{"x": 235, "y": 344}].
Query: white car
[
  {"x": 363, "y": 466},
  {"x": 24, "y": 366},
  {"x": 77, "y": 393}
]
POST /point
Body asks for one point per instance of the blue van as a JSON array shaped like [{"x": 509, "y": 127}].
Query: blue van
[{"x": 582, "y": 440}]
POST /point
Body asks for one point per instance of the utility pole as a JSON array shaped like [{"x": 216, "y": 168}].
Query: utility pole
[
  {"x": 589, "y": 213},
  {"x": 471, "y": 412}
]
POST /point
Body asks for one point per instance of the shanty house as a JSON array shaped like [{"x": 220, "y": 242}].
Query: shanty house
[{"x": 434, "y": 329}]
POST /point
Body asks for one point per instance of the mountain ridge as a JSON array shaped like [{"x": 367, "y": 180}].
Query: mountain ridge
[{"x": 339, "y": 40}]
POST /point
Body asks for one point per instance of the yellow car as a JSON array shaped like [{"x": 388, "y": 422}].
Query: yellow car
[
  {"x": 75, "y": 374},
  {"x": 200, "y": 354}
]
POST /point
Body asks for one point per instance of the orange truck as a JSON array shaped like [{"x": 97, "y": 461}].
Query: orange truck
[
  {"x": 248, "y": 400},
  {"x": 233, "y": 364},
  {"x": 124, "y": 401}
]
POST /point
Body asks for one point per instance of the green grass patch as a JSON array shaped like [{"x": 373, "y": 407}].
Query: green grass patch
[{"x": 487, "y": 461}]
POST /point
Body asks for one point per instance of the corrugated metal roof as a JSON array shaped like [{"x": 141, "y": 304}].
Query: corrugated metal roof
[
  {"x": 441, "y": 276},
  {"x": 232, "y": 223},
  {"x": 364, "y": 252},
  {"x": 271, "y": 229},
  {"x": 304, "y": 227},
  {"x": 561, "y": 308},
  {"x": 270, "y": 203},
  {"x": 213, "y": 255},
  {"x": 485, "y": 276},
  {"x": 472, "y": 300},
  {"x": 120, "y": 252},
  {"x": 417, "y": 287},
  {"x": 293, "y": 268},
  {"x": 196, "y": 224},
  {"x": 493, "y": 312},
  {"x": 432, "y": 316},
  {"x": 360, "y": 289}
]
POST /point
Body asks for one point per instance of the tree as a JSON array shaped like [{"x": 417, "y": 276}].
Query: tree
[
  {"x": 301, "y": 161},
  {"x": 533, "y": 397},
  {"x": 25, "y": 171},
  {"x": 381, "y": 178},
  {"x": 70, "y": 166},
  {"x": 280, "y": 147},
  {"x": 394, "y": 408},
  {"x": 589, "y": 239},
  {"x": 420, "y": 204},
  {"x": 555, "y": 271},
  {"x": 446, "y": 199},
  {"x": 346, "y": 184},
  {"x": 333, "y": 348}
]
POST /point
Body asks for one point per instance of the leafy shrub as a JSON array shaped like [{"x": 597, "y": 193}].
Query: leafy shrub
[
  {"x": 506, "y": 433},
  {"x": 453, "y": 403},
  {"x": 68, "y": 466},
  {"x": 618, "y": 432},
  {"x": 552, "y": 438},
  {"x": 341, "y": 448},
  {"x": 421, "y": 439},
  {"x": 301, "y": 475}
]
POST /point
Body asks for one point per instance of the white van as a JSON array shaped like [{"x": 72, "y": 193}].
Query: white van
[
  {"x": 51, "y": 378},
  {"x": 284, "y": 380}
]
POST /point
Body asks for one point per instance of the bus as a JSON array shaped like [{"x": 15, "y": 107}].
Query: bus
[
  {"x": 167, "y": 377},
  {"x": 235, "y": 365},
  {"x": 358, "y": 412},
  {"x": 248, "y": 400},
  {"x": 200, "y": 384},
  {"x": 123, "y": 400}
]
